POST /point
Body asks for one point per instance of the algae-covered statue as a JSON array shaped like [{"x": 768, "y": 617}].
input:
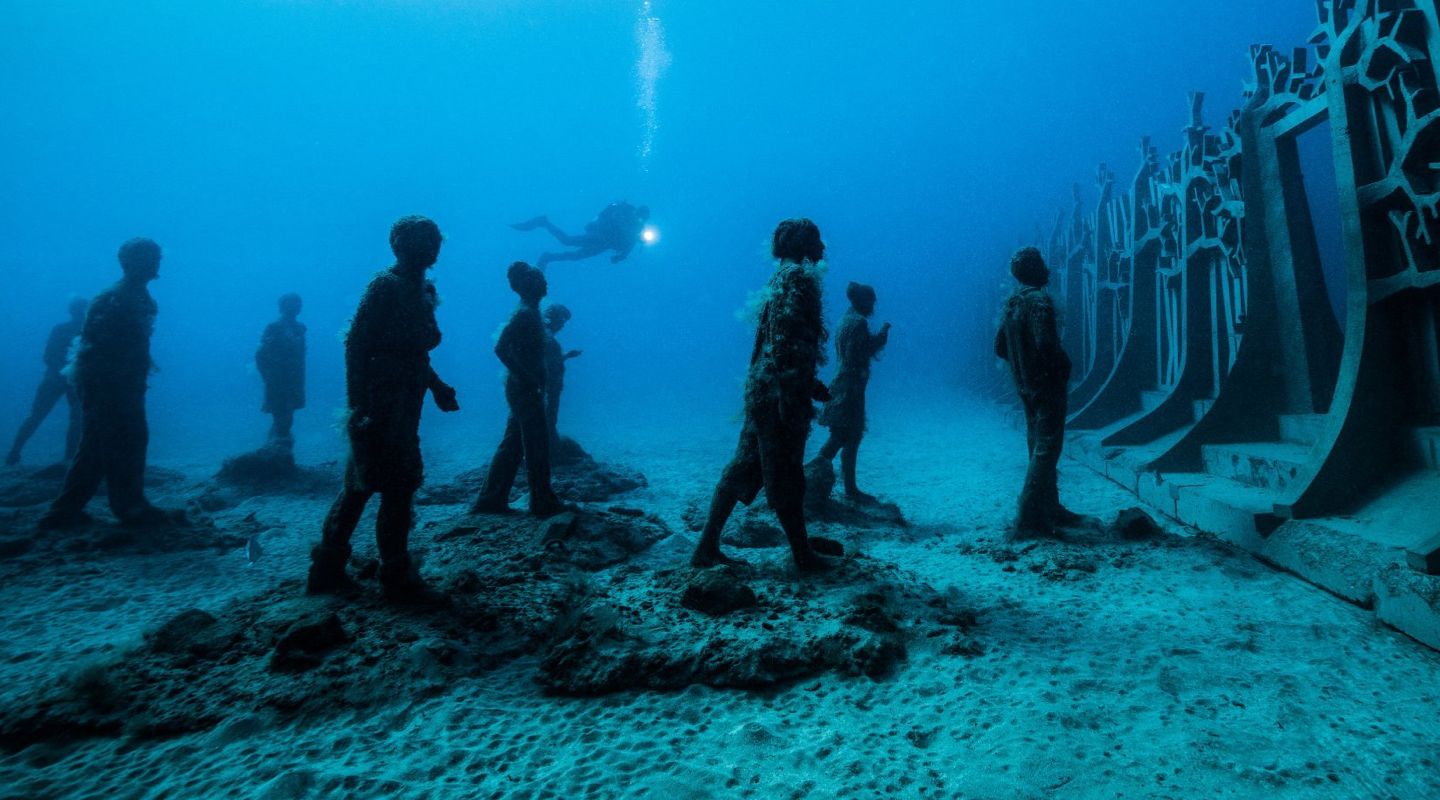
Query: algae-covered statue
[
  {"x": 521, "y": 348},
  {"x": 1029, "y": 340},
  {"x": 780, "y": 391},
  {"x": 111, "y": 371},
  {"x": 844, "y": 414},
  {"x": 54, "y": 385},
  {"x": 281, "y": 362},
  {"x": 618, "y": 227},
  {"x": 387, "y": 374},
  {"x": 556, "y": 317}
]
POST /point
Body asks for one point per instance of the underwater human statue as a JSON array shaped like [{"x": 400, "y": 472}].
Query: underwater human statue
[
  {"x": 521, "y": 348},
  {"x": 781, "y": 388},
  {"x": 618, "y": 227},
  {"x": 844, "y": 414},
  {"x": 111, "y": 372},
  {"x": 54, "y": 385},
  {"x": 387, "y": 374},
  {"x": 1029, "y": 340},
  {"x": 281, "y": 362},
  {"x": 556, "y": 317}
]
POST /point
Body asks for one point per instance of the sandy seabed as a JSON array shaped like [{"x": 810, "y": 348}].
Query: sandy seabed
[{"x": 1175, "y": 667}]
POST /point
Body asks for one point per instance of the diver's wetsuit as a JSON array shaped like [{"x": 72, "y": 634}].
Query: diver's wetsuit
[
  {"x": 53, "y": 387},
  {"x": 1030, "y": 341},
  {"x": 618, "y": 227},
  {"x": 281, "y": 361}
]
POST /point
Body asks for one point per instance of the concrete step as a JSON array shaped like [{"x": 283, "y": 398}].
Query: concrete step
[
  {"x": 1361, "y": 557},
  {"x": 1202, "y": 407},
  {"x": 1240, "y": 514},
  {"x": 1301, "y": 428},
  {"x": 1425, "y": 447},
  {"x": 1265, "y": 465},
  {"x": 1150, "y": 398}
]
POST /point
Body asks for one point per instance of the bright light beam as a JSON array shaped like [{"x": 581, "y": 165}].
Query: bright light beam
[{"x": 650, "y": 235}]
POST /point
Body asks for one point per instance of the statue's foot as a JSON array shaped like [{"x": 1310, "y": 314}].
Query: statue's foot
[
  {"x": 152, "y": 516},
  {"x": 704, "y": 559},
  {"x": 486, "y": 506},
  {"x": 1066, "y": 518},
  {"x": 1023, "y": 533},
  {"x": 547, "y": 508},
  {"x": 861, "y": 498},
  {"x": 331, "y": 580},
  {"x": 64, "y": 520},
  {"x": 411, "y": 590},
  {"x": 809, "y": 561}
]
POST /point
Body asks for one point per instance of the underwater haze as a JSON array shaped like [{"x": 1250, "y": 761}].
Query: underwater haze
[{"x": 268, "y": 146}]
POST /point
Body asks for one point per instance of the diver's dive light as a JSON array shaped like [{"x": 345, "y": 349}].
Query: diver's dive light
[{"x": 650, "y": 235}]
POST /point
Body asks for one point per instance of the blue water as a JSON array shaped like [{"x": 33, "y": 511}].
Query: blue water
[{"x": 268, "y": 146}]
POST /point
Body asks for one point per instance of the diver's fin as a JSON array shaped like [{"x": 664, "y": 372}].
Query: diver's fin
[{"x": 530, "y": 224}]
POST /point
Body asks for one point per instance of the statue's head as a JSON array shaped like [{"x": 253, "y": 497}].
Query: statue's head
[
  {"x": 140, "y": 258},
  {"x": 862, "y": 297},
  {"x": 77, "y": 308},
  {"x": 1028, "y": 267},
  {"x": 556, "y": 316},
  {"x": 797, "y": 240},
  {"x": 415, "y": 241},
  {"x": 290, "y": 305},
  {"x": 527, "y": 281}
]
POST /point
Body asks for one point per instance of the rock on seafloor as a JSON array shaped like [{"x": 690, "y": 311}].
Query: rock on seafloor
[
  {"x": 20, "y": 487},
  {"x": 512, "y": 584},
  {"x": 564, "y": 590},
  {"x": 752, "y": 627},
  {"x": 578, "y": 478},
  {"x": 270, "y": 470}
]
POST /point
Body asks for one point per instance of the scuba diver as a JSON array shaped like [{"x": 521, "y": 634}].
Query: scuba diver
[
  {"x": 619, "y": 227},
  {"x": 780, "y": 390},
  {"x": 1030, "y": 341},
  {"x": 844, "y": 415},
  {"x": 54, "y": 386}
]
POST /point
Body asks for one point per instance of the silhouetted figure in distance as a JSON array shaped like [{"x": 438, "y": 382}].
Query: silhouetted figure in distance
[
  {"x": 619, "y": 227},
  {"x": 1029, "y": 340},
  {"x": 387, "y": 373},
  {"x": 556, "y": 317},
  {"x": 281, "y": 362},
  {"x": 780, "y": 391},
  {"x": 844, "y": 415},
  {"x": 521, "y": 348},
  {"x": 54, "y": 386},
  {"x": 111, "y": 372}
]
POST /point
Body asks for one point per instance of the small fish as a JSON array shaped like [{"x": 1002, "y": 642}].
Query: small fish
[{"x": 253, "y": 550}]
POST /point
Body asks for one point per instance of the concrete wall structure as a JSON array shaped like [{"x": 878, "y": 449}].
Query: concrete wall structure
[{"x": 1212, "y": 375}]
